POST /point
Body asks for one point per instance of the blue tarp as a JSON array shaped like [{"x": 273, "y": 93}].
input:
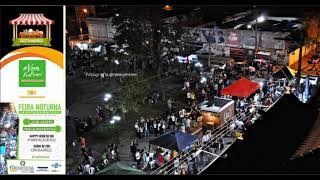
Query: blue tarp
[{"x": 174, "y": 140}]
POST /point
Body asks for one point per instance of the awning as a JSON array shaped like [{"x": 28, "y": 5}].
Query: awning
[
  {"x": 284, "y": 72},
  {"x": 120, "y": 169},
  {"x": 174, "y": 140},
  {"x": 31, "y": 19},
  {"x": 241, "y": 88}
]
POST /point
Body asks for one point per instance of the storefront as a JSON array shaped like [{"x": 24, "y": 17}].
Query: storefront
[{"x": 24, "y": 34}]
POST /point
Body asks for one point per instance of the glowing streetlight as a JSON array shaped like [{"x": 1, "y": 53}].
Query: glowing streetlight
[
  {"x": 168, "y": 8},
  {"x": 85, "y": 10},
  {"x": 117, "y": 14},
  {"x": 117, "y": 118},
  {"x": 249, "y": 26},
  {"x": 261, "y": 19},
  {"x": 198, "y": 64},
  {"x": 107, "y": 96},
  {"x": 112, "y": 121}
]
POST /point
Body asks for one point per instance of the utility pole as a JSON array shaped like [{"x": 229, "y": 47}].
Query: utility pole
[
  {"x": 209, "y": 60},
  {"x": 302, "y": 36},
  {"x": 256, "y": 36}
]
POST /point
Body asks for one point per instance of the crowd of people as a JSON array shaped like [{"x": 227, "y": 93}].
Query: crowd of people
[
  {"x": 91, "y": 163},
  {"x": 207, "y": 85},
  {"x": 201, "y": 85}
]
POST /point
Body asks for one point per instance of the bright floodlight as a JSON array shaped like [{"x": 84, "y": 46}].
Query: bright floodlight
[
  {"x": 116, "y": 62},
  {"x": 117, "y": 14},
  {"x": 260, "y": 19},
  {"x": 249, "y": 26},
  {"x": 107, "y": 96},
  {"x": 112, "y": 121},
  {"x": 198, "y": 64},
  {"x": 117, "y": 118}
]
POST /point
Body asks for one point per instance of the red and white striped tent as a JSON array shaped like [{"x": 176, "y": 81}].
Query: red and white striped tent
[{"x": 31, "y": 19}]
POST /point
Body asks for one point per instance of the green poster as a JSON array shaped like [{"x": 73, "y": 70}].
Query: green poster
[{"x": 32, "y": 73}]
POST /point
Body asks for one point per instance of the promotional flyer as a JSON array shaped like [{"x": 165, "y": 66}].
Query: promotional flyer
[{"x": 33, "y": 82}]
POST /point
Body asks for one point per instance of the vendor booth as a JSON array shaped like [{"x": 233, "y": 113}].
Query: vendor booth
[
  {"x": 24, "y": 35},
  {"x": 120, "y": 169},
  {"x": 241, "y": 88},
  {"x": 174, "y": 141},
  {"x": 217, "y": 111}
]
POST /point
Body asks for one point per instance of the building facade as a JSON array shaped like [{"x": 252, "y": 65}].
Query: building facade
[{"x": 100, "y": 29}]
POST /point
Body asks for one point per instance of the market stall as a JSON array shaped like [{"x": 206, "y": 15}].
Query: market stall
[
  {"x": 217, "y": 111},
  {"x": 174, "y": 140},
  {"x": 241, "y": 88},
  {"x": 29, "y": 36}
]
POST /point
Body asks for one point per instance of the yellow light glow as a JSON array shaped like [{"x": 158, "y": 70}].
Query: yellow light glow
[{"x": 168, "y": 8}]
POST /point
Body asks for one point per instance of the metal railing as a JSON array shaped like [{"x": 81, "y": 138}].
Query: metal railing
[{"x": 220, "y": 132}]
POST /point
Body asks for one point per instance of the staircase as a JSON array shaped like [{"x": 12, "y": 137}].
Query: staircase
[{"x": 311, "y": 142}]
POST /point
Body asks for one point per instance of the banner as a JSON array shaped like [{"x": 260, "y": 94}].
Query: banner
[
  {"x": 220, "y": 36},
  {"x": 248, "y": 39},
  {"x": 270, "y": 40},
  {"x": 233, "y": 38},
  {"x": 216, "y": 50},
  {"x": 32, "y": 97}
]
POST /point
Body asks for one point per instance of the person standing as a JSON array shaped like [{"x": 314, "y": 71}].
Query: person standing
[
  {"x": 188, "y": 97},
  {"x": 91, "y": 170},
  {"x": 174, "y": 119},
  {"x": 155, "y": 128},
  {"x": 138, "y": 157},
  {"x": 188, "y": 124},
  {"x": 80, "y": 169},
  {"x": 146, "y": 128},
  {"x": 193, "y": 97},
  {"x": 140, "y": 131},
  {"x": 86, "y": 169}
]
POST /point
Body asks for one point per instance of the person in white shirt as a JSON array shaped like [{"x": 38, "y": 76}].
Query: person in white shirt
[
  {"x": 186, "y": 85},
  {"x": 166, "y": 157},
  {"x": 205, "y": 138},
  {"x": 138, "y": 157},
  {"x": 188, "y": 97},
  {"x": 239, "y": 124},
  {"x": 86, "y": 168},
  {"x": 91, "y": 170},
  {"x": 113, "y": 154},
  {"x": 188, "y": 124}
]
